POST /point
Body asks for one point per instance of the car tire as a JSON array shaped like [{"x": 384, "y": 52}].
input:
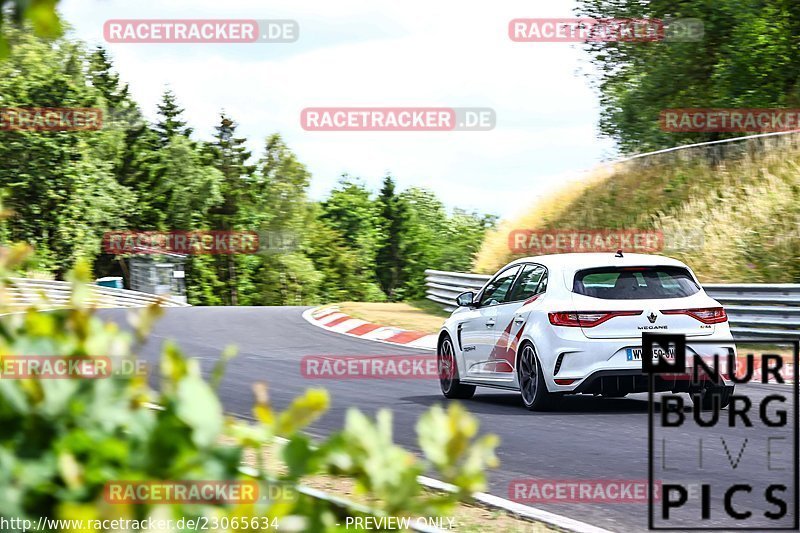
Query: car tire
[
  {"x": 535, "y": 396},
  {"x": 451, "y": 386},
  {"x": 703, "y": 399}
]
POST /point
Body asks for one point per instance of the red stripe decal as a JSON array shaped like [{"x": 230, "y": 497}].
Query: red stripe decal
[{"x": 504, "y": 350}]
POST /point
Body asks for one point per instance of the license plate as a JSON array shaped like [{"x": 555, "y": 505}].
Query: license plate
[{"x": 635, "y": 354}]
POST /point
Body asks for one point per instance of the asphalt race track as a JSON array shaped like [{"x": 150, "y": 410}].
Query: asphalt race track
[{"x": 585, "y": 438}]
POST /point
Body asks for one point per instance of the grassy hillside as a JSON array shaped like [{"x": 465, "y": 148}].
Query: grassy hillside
[{"x": 740, "y": 199}]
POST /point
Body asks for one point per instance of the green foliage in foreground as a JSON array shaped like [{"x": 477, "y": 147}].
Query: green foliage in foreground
[
  {"x": 41, "y": 14},
  {"x": 62, "y": 440}
]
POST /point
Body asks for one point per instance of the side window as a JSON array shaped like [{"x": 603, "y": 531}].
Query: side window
[
  {"x": 542, "y": 283},
  {"x": 529, "y": 283},
  {"x": 497, "y": 289}
]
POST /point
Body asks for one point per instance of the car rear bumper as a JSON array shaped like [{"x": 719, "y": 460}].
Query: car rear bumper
[
  {"x": 614, "y": 382},
  {"x": 604, "y": 365}
]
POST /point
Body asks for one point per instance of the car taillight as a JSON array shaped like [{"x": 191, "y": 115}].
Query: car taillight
[
  {"x": 586, "y": 319},
  {"x": 706, "y": 315}
]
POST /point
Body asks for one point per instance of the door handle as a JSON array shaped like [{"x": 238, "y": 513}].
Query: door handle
[
  {"x": 490, "y": 323},
  {"x": 519, "y": 320}
]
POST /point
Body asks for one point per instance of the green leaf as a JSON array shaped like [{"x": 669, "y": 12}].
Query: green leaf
[
  {"x": 297, "y": 454},
  {"x": 43, "y": 15},
  {"x": 303, "y": 411},
  {"x": 200, "y": 409},
  {"x": 219, "y": 367}
]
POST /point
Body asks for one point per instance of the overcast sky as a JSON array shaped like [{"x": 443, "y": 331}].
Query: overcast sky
[{"x": 424, "y": 53}]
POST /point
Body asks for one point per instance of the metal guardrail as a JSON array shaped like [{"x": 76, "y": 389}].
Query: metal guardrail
[
  {"x": 754, "y": 309},
  {"x": 443, "y": 286},
  {"x": 24, "y": 292}
]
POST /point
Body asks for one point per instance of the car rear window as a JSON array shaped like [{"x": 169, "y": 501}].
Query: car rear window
[{"x": 635, "y": 283}]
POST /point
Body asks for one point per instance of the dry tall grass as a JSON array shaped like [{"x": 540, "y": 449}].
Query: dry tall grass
[{"x": 741, "y": 199}]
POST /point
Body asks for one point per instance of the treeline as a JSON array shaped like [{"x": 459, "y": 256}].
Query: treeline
[
  {"x": 747, "y": 57},
  {"x": 66, "y": 189}
]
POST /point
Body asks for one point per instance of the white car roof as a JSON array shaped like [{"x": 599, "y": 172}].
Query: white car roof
[
  {"x": 578, "y": 261},
  {"x": 569, "y": 264}
]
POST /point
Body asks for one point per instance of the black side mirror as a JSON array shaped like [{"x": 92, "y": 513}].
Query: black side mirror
[{"x": 465, "y": 299}]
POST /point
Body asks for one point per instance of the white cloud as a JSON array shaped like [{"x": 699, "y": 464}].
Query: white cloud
[{"x": 353, "y": 53}]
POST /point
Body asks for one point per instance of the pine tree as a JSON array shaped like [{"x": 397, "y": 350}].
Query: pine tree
[
  {"x": 134, "y": 166},
  {"x": 229, "y": 155},
  {"x": 106, "y": 80},
  {"x": 170, "y": 124},
  {"x": 390, "y": 261}
]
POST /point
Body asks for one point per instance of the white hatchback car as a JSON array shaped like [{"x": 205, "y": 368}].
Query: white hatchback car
[{"x": 573, "y": 323}]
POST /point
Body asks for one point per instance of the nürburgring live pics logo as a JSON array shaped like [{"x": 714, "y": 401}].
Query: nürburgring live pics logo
[{"x": 733, "y": 469}]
